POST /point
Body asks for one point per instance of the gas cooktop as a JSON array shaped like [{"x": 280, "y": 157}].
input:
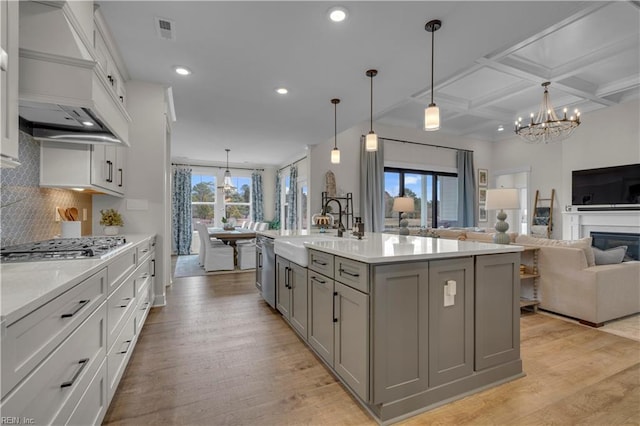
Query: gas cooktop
[{"x": 62, "y": 249}]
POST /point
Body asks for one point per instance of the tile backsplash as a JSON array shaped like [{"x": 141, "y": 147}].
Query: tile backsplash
[{"x": 28, "y": 211}]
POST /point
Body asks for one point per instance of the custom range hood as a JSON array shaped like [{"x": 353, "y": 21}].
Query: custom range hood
[{"x": 64, "y": 94}]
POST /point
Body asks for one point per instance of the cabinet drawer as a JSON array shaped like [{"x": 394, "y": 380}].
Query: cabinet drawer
[
  {"x": 28, "y": 341},
  {"x": 119, "y": 355},
  {"x": 352, "y": 273},
  {"x": 321, "y": 263},
  {"x": 93, "y": 404},
  {"x": 120, "y": 305},
  {"x": 143, "y": 298},
  {"x": 121, "y": 267},
  {"x": 50, "y": 393},
  {"x": 143, "y": 251}
]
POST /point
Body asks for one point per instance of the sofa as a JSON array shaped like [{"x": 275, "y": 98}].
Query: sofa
[{"x": 571, "y": 284}]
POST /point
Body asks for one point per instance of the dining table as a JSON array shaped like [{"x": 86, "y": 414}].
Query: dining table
[{"x": 231, "y": 236}]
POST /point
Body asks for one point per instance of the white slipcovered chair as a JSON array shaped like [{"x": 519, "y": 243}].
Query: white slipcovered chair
[
  {"x": 246, "y": 256},
  {"x": 214, "y": 254}
]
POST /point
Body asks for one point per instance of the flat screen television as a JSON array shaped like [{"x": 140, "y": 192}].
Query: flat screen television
[{"x": 606, "y": 186}]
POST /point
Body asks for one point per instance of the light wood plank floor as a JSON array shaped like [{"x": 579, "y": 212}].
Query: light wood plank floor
[{"x": 218, "y": 355}]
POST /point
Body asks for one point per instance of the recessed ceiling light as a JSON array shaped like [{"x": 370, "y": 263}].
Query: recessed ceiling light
[
  {"x": 500, "y": 128},
  {"x": 87, "y": 123},
  {"x": 282, "y": 90},
  {"x": 337, "y": 14},
  {"x": 182, "y": 70}
]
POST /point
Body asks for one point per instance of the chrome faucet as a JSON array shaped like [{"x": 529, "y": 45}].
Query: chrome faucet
[{"x": 341, "y": 228}]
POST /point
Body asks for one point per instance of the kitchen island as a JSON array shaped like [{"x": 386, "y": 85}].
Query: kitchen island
[{"x": 406, "y": 323}]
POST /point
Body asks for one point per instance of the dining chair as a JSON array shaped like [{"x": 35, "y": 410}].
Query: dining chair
[
  {"x": 246, "y": 256},
  {"x": 213, "y": 255}
]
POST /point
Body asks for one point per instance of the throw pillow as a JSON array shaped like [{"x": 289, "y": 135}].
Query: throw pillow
[{"x": 610, "y": 256}]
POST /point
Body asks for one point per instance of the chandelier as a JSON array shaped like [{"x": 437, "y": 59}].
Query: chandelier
[{"x": 547, "y": 127}]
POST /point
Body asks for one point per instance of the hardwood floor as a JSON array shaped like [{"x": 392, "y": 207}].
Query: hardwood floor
[{"x": 218, "y": 355}]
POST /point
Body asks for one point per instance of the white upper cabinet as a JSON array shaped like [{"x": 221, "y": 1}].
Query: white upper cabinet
[{"x": 9, "y": 86}]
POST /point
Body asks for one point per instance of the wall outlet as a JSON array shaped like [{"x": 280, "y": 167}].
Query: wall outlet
[{"x": 57, "y": 216}]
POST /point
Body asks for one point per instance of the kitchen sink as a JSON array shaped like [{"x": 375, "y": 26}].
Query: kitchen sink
[{"x": 293, "y": 249}]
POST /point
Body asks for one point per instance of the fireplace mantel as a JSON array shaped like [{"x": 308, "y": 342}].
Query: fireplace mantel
[{"x": 583, "y": 222}]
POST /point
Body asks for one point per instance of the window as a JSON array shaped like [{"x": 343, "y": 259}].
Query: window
[
  {"x": 424, "y": 187},
  {"x": 237, "y": 202},
  {"x": 285, "y": 202},
  {"x": 203, "y": 198}
]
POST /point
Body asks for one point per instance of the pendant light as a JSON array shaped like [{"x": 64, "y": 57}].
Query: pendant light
[
  {"x": 335, "y": 152},
  {"x": 371, "y": 141},
  {"x": 227, "y": 175},
  {"x": 432, "y": 113}
]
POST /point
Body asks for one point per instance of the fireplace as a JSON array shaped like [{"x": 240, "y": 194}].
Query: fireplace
[{"x": 607, "y": 240}]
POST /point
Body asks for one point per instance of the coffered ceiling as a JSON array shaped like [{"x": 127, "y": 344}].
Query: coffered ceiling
[{"x": 490, "y": 61}]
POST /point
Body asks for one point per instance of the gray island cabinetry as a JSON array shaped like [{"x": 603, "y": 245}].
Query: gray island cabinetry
[
  {"x": 410, "y": 323},
  {"x": 291, "y": 294}
]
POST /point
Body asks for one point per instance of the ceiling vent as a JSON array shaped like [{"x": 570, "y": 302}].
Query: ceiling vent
[{"x": 165, "y": 29}]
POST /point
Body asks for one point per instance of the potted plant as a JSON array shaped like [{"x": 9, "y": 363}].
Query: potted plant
[
  {"x": 226, "y": 225},
  {"x": 111, "y": 220}
]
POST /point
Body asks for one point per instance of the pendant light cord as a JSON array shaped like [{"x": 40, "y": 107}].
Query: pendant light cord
[
  {"x": 371, "y": 110},
  {"x": 335, "y": 125},
  {"x": 433, "y": 36}
]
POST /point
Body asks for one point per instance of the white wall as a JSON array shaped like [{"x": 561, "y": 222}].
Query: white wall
[
  {"x": 606, "y": 137},
  {"x": 146, "y": 177}
]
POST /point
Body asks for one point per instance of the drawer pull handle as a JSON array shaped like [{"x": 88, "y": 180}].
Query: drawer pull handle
[
  {"x": 145, "y": 275},
  {"x": 146, "y": 304},
  {"x": 128, "y": 346},
  {"x": 320, "y": 263},
  {"x": 317, "y": 280},
  {"x": 84, "y": 363},
  {"x": 344, "y": 271},
  {"x": 128, "y": 299},
  {"x": 81, "y": 304}
]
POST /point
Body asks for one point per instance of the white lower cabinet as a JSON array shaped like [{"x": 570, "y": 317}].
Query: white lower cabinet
[
  {"x": 119, "y": 355},
  {"x": 62, "y": 363},
  {"x": 93, "y": 405},
  {"x": 50, "y": 393}
]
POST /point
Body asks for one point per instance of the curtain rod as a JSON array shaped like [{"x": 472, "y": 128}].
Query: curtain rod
[
  {"x": 424, "y": 144},
  {"x": 218, "y": 167},
  {"x": 289, "y": 165}
]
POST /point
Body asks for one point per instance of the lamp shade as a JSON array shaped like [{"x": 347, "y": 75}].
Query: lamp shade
[
  {"x": 403, "y": 204},
  {"x": 335, "y": 156},
  {"x": 371, "y": 142},
  {"x": 502, "y": 198},
  {"x": 432, "y": 118}
]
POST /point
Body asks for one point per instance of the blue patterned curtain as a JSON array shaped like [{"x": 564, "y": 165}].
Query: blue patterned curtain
[
  {"x": 257, "y": 214},
  {"x": 181, "y": 212},
  {"x": 278, "y": 207},
  {"x": 292, "y": 214},
  {"x": 466, "y": 189}
]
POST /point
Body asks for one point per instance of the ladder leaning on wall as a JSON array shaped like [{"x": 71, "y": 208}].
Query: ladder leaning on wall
[{"x": 542, "y": 223}]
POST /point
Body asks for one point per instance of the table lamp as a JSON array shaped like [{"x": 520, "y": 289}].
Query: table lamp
[
  {"x": 403, "y": 205},
  {"x": 500, "y": 199}
]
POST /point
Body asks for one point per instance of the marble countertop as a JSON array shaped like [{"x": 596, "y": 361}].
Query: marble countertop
[
  {"x": 25, "y": 286},
  {"x": 389, "y": 248}
]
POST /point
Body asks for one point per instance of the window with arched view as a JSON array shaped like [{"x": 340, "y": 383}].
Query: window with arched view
[{"x": 435, "y": 197}]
